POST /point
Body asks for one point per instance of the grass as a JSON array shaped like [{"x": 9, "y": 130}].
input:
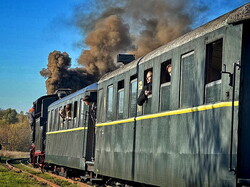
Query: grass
[
  {"x": 10, "y": 178},
  {"x": 46, "y": 176}
]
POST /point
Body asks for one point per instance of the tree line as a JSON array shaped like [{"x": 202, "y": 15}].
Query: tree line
[{"x": 14, "y": 130}]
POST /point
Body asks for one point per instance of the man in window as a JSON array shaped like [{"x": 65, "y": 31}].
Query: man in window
[
  {"x": 90, "y": 102},
  {"x": 169, "y": 69},
  {"x": 147, "y": 89},
  {"x": 62, "y": 113}
]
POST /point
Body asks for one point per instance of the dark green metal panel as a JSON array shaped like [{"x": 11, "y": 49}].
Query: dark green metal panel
[
  {"x": 114, "y": 150},
  {"x": 187, "y": 149},
  {"x": 66, "y": 148}
]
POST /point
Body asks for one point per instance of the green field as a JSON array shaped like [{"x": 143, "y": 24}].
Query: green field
[{"x": 12, "y": 178}]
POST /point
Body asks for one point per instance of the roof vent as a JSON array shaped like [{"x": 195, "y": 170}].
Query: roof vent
[
  {"x": 62, "y": 92},
  {"x": 125, "y": 58}
]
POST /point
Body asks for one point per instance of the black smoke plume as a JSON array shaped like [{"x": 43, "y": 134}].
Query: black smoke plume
[
  {"x": 110, "y": 27},
  {"x": 143, "y": 26},
  {"x": 59, "y": 74}
]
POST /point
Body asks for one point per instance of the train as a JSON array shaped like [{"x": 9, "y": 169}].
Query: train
[{"x": 192, "y": 130}]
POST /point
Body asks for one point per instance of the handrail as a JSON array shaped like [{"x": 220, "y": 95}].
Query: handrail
[
  {"x": 237, "y": 64},
  {"x": 232, "y": 77}
]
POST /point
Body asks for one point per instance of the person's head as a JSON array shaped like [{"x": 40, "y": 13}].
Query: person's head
[
  {"x": 86, "y": 99},
  {"x": 32, "y": 109},
  {"x": 149, "y": 77},
  {"x": 169, "y": 69},
  {"x": 68, "y": 107}
]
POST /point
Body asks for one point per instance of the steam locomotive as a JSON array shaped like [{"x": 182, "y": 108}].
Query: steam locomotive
[{"x": 193, "y": 130}]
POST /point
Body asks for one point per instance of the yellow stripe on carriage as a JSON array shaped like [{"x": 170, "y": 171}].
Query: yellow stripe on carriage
[
  {"x": 116, "y": 122},
  {"x": 173, "y": 112},
  {"x": 68, "y": 130}
]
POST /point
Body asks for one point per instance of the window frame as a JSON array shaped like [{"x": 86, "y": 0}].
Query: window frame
[
  {"x": 120, "y": 89},
  {"x": 183, "y": 56},
  {"x": 207, "y": 71},
  {"x": 133, "y": 79},
  {"x": 209, "y": 58},
  {"x": 109, "y": 114}
]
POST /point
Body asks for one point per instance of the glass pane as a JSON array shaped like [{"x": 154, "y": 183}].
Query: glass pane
[
  {"x": 213, "y": 92},
  {"x": 133, "y": 97},
  {"x": 110, "y": 103},
  {"x": 101, "y": 105},
  {"x": 56, "y": 121},
  {"x": 49, "y": 121},
  {"x": 120, "y": 103},
  {"x": 81, "y": 114},
  {"x": 188, "y": 94},
  {"x": 165, "y": 97}
]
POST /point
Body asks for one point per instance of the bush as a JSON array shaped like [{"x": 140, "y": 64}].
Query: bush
[{"x": 15, "y": 136}]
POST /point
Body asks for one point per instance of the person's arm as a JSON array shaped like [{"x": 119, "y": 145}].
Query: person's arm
[{"x": 142, "y": 98}]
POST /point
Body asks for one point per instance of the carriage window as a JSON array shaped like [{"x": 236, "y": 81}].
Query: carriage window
[
  {"x": 145, "y": 76},
  {"x": 110, "y": 102},
  {"x": 49, "y": 120},
  {"x": 101, "y": 106},
  {"x": 188, "y": 93},
  {"x": 213, "y": 61},
  {"x": 68, "y": 111},
  {"x": 148, "y": 83},
  {"x": 166, "y": 69},
  {"x": 120, "y": 99},
  {"x": 213, "y": 71},
  {"x": 75, "y": 109},
  {"x": 55, "y": 120},
  {"x": 60, "y": 119},
  {"x": 82, "y": 113},
  {"x": 132, "y": 96}
]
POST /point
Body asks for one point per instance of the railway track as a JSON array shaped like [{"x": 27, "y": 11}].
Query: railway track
[{"x": 24, "y": 162}]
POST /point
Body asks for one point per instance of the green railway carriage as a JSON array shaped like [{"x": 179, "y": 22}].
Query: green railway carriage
[
  {"x": 70, "y": 142},
  {"x": 195, "y": 125}
]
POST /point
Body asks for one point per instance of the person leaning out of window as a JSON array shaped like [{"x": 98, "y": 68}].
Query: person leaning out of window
[{"x": 147, "y": 89}]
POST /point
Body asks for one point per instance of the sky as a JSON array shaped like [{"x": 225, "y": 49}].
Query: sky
[{"x": 31, "y": 29}]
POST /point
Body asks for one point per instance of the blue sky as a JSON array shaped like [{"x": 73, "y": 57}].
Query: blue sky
[{"x": 31, "y": 29}]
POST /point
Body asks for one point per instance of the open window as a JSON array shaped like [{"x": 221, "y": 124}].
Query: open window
[
  {"x": 149, "y": 84},
  {"x": 213, "y": 71},
  {"x": 120, "y": 99},
  {"x": 166, "y": 71},
  {"x": 75, "y": 110},
  {"x": 147, "y": 77},
  {"x": 61, "y": 119}
]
